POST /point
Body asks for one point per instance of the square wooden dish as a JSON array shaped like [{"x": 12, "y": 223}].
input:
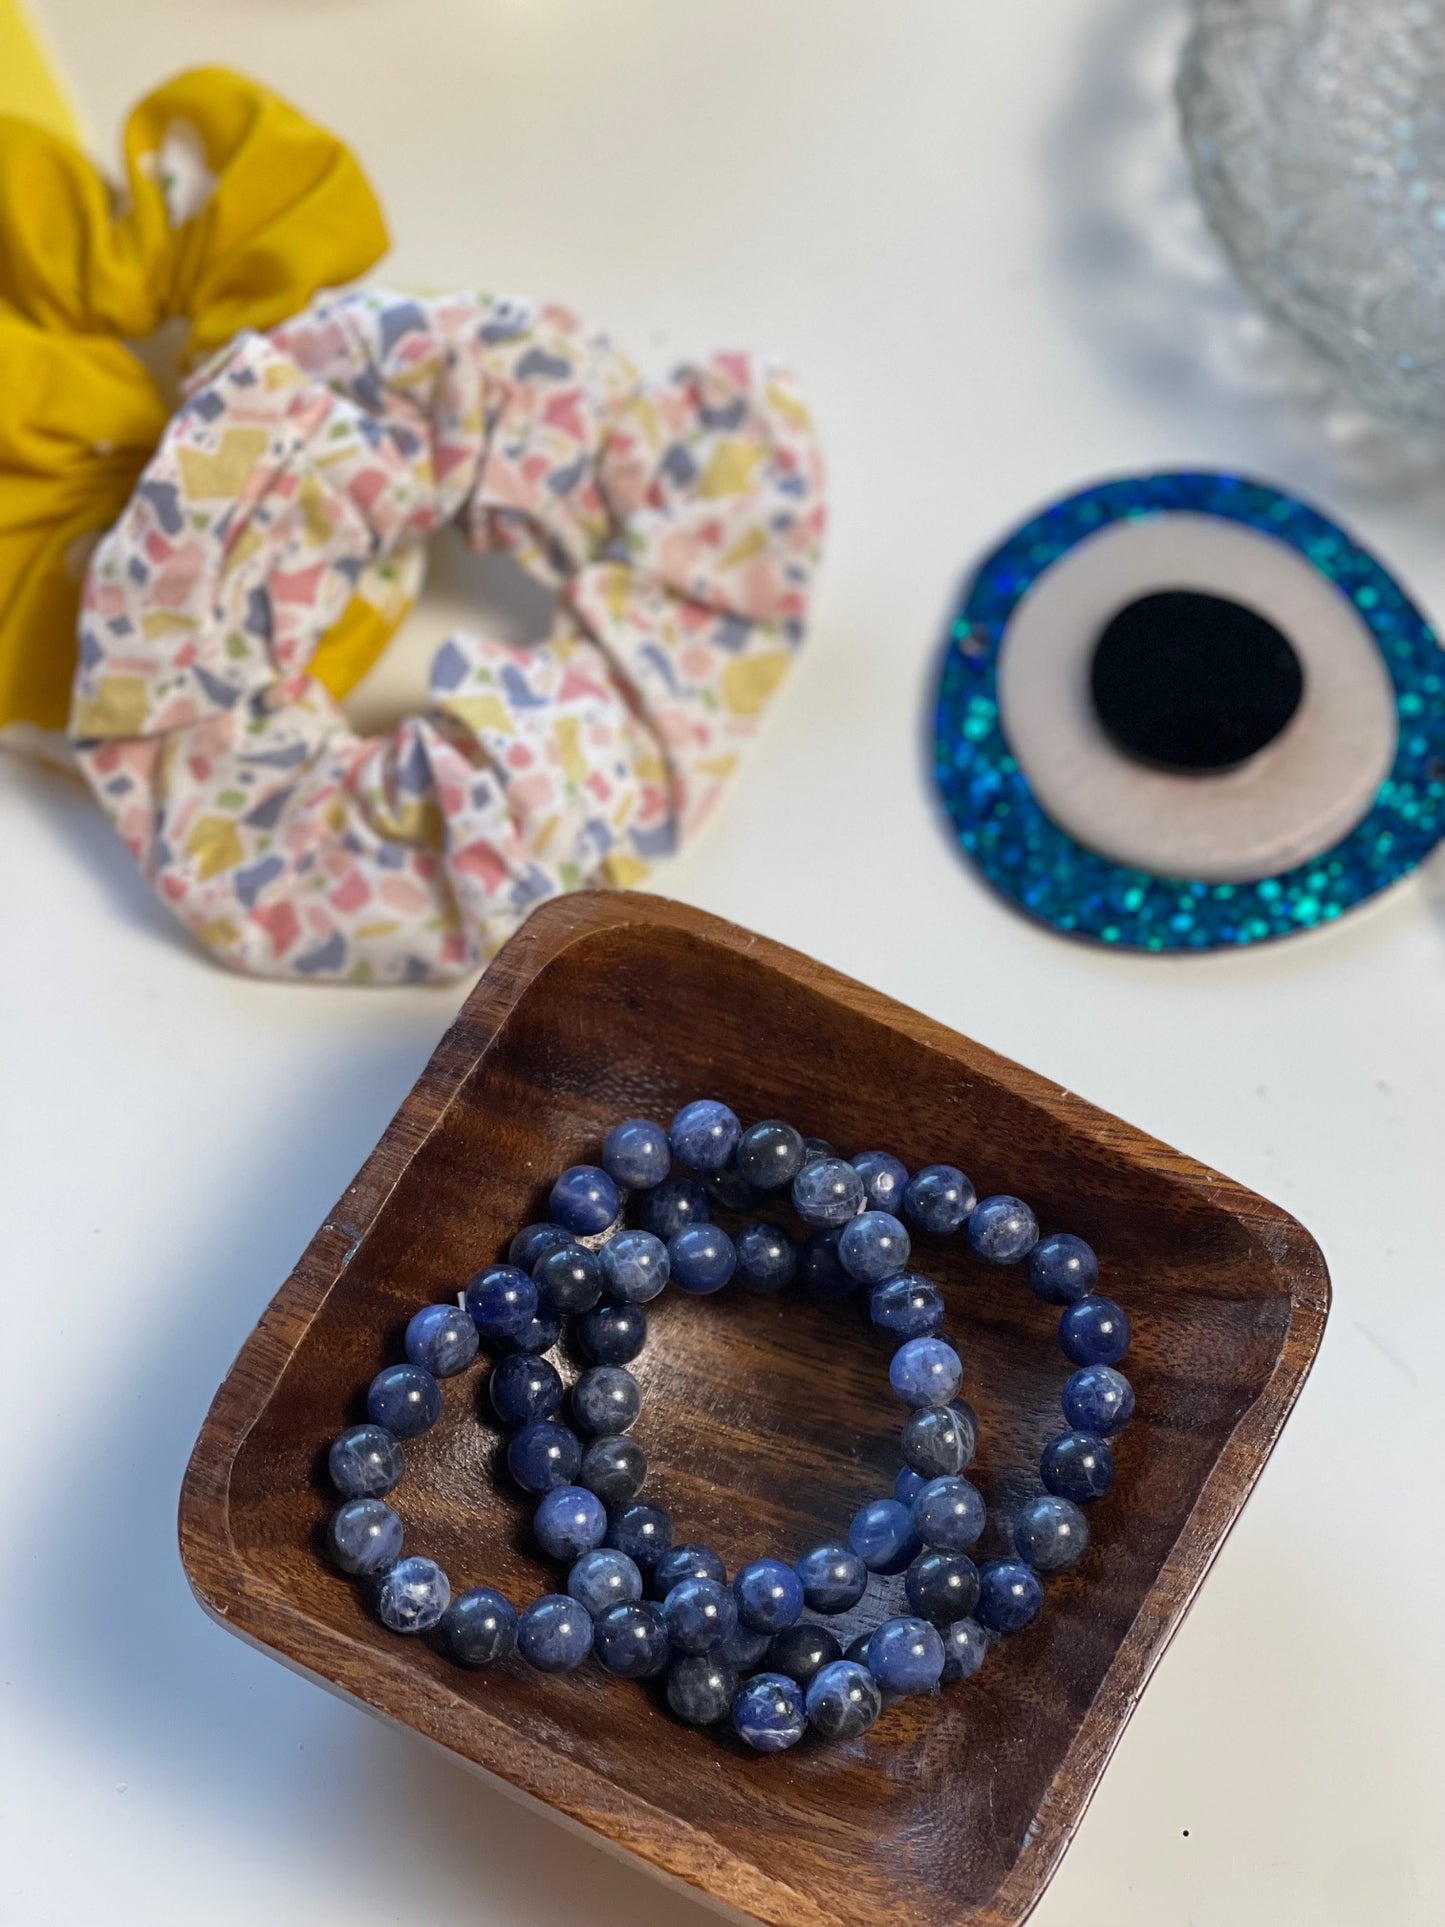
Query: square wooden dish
[{"x": 766, "y": 1421}]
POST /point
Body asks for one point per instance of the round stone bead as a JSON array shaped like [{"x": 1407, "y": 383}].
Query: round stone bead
[
  {"x": 1051, "y": 1533},
  {"x": 634, "y": 1267},
  {"x": 769, "y": 1156},
  {"x": 767, "y": 1258},
  {"x": 1009, "y": 1595},
  {"x": 907, "y": 1485},
  {"x": 942, "y": 1586},
  {"x": 873, "y": 1246},
  {"x": 949, "y": 1515},
  {"x": 554, "y": 1634},
  {"x": 768, "y": 1713},
  {"x": 675, "y": 1204},
  {"x": 817, "y": 1147},
  {"x": 884, "y": 1180},
  {"x": 1077, "y": 1466},
  {"x": 687, "y": 1562},
  {"x": 1094, "y": 1331},
  {"x": 635, "y": 1153},
  {"x": 905, "y": 1655},
  {"x": 524, "y": 1389},
  {"x": 702, "y": 1259},
  {"x": 603, "y": 1578},
  {"x": 856, "y": 1651},
  {"x": 909, "y": 1306},
  {"x": 704, "y": 1133},
  {"x": 1002, "y": 1230},
  {"x": 1062, "y": 1268},
  {"x": 630, "y": 1640},
  {"x": 502, "y": 1301},
  {"x": 541, "y": 1335},
  {"x": 802, "y": 1651},
  {"x": 569, "y": 1280},
  {"x": 828, "y": 1192},
  {"x": 965, "y": 1648},
  {"x": 699, "y": 1614},
  {"x": 940, "y": 1439},
  {"x": 769, "y": 1595},
  {"x": 569, "y": 1521},
  {"x": 882, "y": 1535},
  {"x": 606, "y": 1400},
  {"x": 614, "y": 1468},
  {"x": 532, "y": 1241},
  {"x": 365, "y": 1462},
  {"x": 412, "y": 1596},
  {"x": 364, "y": 1535},
  {"x": 643, "y": 1532},
  {"x": 584, "y": 1200},
  {"x": 478, "y": 1628},
  {"x": 925, "y": 1371},
  {"x": 938, "y": 1199},
  {"x": 700, "y": 1688},
  {"x": 731, "y": 1190},
  {"x": 543, "y": 1456},
  {"x": 441, "y": 1339},
  {"x": 612, "y": 1334},
  {"x": 745, "y": 1650},
  {"x": 1099, "y": 1400},
  {"x": 821, "y": 1271},
  {"x": 834, "y": 1578},
  {"x": 843, "y": 1701},
  {"x": 405, "y": 1399}
]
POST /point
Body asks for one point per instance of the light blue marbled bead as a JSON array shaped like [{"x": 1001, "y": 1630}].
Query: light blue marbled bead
[
  {"x": 524, "y": 1389},
  {"x": 704, "y": 1134},
  {"x": 1009, "y": 1596},
  {"x": 700, "y": 1688},
  {"x": 834, "y": 1578},
  {"x": 942, "y": 1586},
  {"x": 768, "y": 1712},
  {"x": 702, "y": 1259},
  {"x": 949, "y": 1514},
  {"x": 1051, "y": 1533},
  {"x": 365, "y": 1462},
  {"x": 643, "y": 1532},
  {"x": 769, "y": 1155},
  {"x": 909, "y": 1306},
  {"x": 606, "y": 1400},
  {"x": 1094, "y": 1331},
  {"x": 905, "y": 1655},
  {"x": 769, "y": 1595},
  {"x": 532, "y": 1242},
  {"x": 938, "y": 1199},
  {"x": 584, "y": 1200},
  {"x": 634, "y": 1266},
  {"x": 442, "y": 1339},
  {"x": 687, "y": 1562},
  {"x": 1062, "y": 1268},
  {"x": 699, "y": 1615},
  {"x": 1077, "y": 1466},
  {"x": 569, "y": 1280},
  {"x": 925, "y": 1371},
  {"x": 767, "y": 1257},
  {"x": 630, "y": 1640},
  {"x": 965, "y": 1648},
  {"x": 604, "y": 1578},
  {"x": 554, "y": 1633},
  {"x": 405, "y": 1399},
  {"x": 828, "y": 1192},
  {"x": 940, "y": 1439},
  {"x": 613, "y": 1334},
  {"x": 873, "y": 1246},
  {"x": 884, "y": 1180},
  {"x": 615, "y": 1469},
  {"x": 501, "y": 1302},
  {"x": 843, "y": 1701},
  {"x": 412, "y": 1595},
  {"x": 908, "y": 1485},
  {"x": 636, "y": 1153},
  {"x": 478, "y": 1628},
  {"x": 819, "y": 1268},
  {"x": 882, "y": 1535},
  {"x": 1098, "y": 1399},
  {"x": 569, "y": 1521},
  {"x": 1002, "y": 1230},
  {"x": 543, "y": 1456},
  {"x": 364, "y": 1535},
  {"x": 675, "y": 1204}
]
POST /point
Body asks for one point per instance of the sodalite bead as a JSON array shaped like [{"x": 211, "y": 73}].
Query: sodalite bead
[
  {"x": 802, "y": 1652},
  {"x": 768, "y": 1712},
  {"x": 1051, "y": 1533},
  {"x": 569, "y": 1521},
  {"x": 501, "y": 1302},
  {"x": 612, "y": 1334},
  {"x": 569, "y": 1280},
  {"x": 544, "y": 1456},
  {"x": 949, "y": 1514},
  {"x": 873, "y": 1246},
  {"x": 630, "y": 1640},
  {"x": 675, "y": 1204},
  {"x": 856, "y": 1651},
  {"x": 1002, "y": 1230},
  {"x": 405, "y": 1399},
  {"x": 834, "y": 1578},
  {"x": 1009, "y": 1595},
  {"x": 523, "y": 1389},
  {"x": 700, "y": 1689},
  {"x": 704, "y": 1133},
  {"x": 965, "y": 1648},
  {"x": 412, "y": 1595},
  {"x": 364, "y": 1535},
  {"x": 909, "y": 1306},
  {"x": 699, "y": 1614},
  {"x": 769, "y": 1595},
  {"x": 687, "y": 1562},
  {"x": 1062, "y": 1268},
  {"x": 843, "y": 1701},
  {"x": 882, "y": 1535},
  {"x": 604, "y": 1578},
  {"x": 729, "y": 1189},
  {"x": 905, "y": 1655},
  {"x": 541, "y": 1335},
  {"x": 634, "y": 1266},
  {"x": 907, "y": 1485},
  {"x": 554, "y": 1634},
  {"x": 584, "y": 1200},
  {"x": 1077, "y": 1466},
  {"x": 1099, "y": 1400},
  {"x": 532, "y": 1242},
  {"x": 442, "y": 1339},
  {"x": 636, "y": 1153},
  {"x": 828, "y": 1192},
  {"x": 1094, "y": 1331},
  {"x": 767, "y": 1257},
  {"x": 365, "y": 1462},
  {"x": 743, "y": 1649},
  {"x": 942, "y": 1586},
  {"x": 938, "y": 1198},
  {"x": 643, "y": 1532},
  {"x": 769, "y": 1156},
  {"x": 817, "y": 1147},
  {"x": 884, "y": 1180},
  {"x": 702, "y": 1259},
  {"x": 925, "y": 1371},
  {"x": 606, "y": 1400},
  {"x": 615, "y": 1469},
  {"x": 940, "y": 1439},
  {"x": 478, "y": 1628},
  {"x": 821, "y": 1272}
]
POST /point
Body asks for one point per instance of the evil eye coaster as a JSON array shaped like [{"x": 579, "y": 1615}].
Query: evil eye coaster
[{"x": 1182, "y": 711}]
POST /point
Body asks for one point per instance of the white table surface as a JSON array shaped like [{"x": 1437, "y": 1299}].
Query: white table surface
[{"x": 966, "y": 225}]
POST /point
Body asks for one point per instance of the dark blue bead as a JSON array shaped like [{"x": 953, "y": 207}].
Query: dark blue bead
[
  {"x": 700, "y": 1689},
  {"x": 704, "y": 1133},
  {"x": 906, "y": 1307},
  {"x": 884, "y": 1180},
  {"x": 1002, "y": 1230},
  {"x": 767, "y": 1257},
  {"x": 802, "y": 1651},
  {"x": 949, "y": 1514},
  {"x": 365, "y": 1462},
  {"x": 676, "y": 1203},
  {"x": 882, "y": 1535},
  {"x": 743, "y": 1649},
  {"x": 631, "y": 1641},
  {"x": 502, "y": 1302},
  {"x": 1099, "y": 1400},
  {"x": 687, "y": 1562},
  {"x": 843, "y": 1701},
  {"x": 938, "y": 1199},
  {"x": 412, "y": 1595},
  {"x": 613, "y": 1334},
  {"x": 834, "y": 1578},
  {"x": 524, "y": 1389},
  {"x": 478, "y": 1628},
  {"x": 606, "y": 1400},
  {"x": 541, "y": 1335},
  {"x": 1050, "y": 1533},
  {"x": 554, "y": 1634},
  {"x": 643, "y": 1532},
  {"x": 768, "y": 1712},
  {"x": 603, "y": 1578},
  {"x": 699, "y": 1615},
  {"x": 907, "y": 1485},
  {"x": 532, "y": 1242},
  {"x": 702, "y": 1259},
  {"x": 1062, "y": 1268},
  {"x": 942, "y": 1586},
  {"x": 1095, "y": 1331},
  {"x": 856, "y": 1651},
  {"x": 584, "y": 1200},
  {"x": 615, "y": 1469},
  {"x": 940, "y": 1439},
  {"x": 965, "y": 1648},
  {"x": 543, "y": 1456},
  {"x": 819, "y": 1267},
  {"x": 730, "y": 1190},
  {"x": 769, "y": 1156},
  {"x": 828, "y": 1192},
  {"x": 873, "y": 1246},
  {"x": 769, "y": 1595},
  {"x": 635, "y": 1153},
  {"x": 441, "y": 1339},
  {"x": 364, "y": 1535},
  {"x": 1009, "y": 1595},
  {"x": 925, "y": 1371},
  {"x": 905, "y": 1655},
  {"x": 569, "y": 1280},
  {"x": 406, "y": 1399},
  {"x": 569, "y": 1521},
  {"x": 634, "y": 1266},
  {"x": 1078, "y": 1466}
]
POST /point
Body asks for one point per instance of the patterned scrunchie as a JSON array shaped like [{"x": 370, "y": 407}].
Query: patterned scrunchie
[{"x": 679, "y": 522}]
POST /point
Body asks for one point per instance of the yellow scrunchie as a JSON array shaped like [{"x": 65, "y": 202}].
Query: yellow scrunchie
[{"x": 239, "y": 211}]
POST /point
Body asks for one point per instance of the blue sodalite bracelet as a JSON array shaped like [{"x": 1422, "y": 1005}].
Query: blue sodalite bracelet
[{"x": 742, "y": 1652}]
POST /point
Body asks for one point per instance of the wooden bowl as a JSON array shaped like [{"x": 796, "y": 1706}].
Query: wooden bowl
[{"x": 767, "y": 1421}]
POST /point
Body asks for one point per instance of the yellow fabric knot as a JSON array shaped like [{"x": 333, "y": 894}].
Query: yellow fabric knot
[{"x": 238, "y": 211}]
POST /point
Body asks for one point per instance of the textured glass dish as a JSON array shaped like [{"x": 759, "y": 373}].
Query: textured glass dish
[{"x": 1316, "y": 133}]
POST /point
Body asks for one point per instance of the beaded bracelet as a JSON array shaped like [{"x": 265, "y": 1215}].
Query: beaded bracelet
[{"x": 586, "y": 1266}]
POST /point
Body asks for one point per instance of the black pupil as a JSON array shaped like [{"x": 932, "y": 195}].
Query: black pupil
[{"x": 1193, "y": 682}]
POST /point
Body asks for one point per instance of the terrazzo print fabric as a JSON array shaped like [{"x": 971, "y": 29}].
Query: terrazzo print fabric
[{"x": 679, "y": 521}]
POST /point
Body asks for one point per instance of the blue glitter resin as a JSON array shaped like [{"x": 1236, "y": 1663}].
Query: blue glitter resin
[{"x": 1037, "y": 865}]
